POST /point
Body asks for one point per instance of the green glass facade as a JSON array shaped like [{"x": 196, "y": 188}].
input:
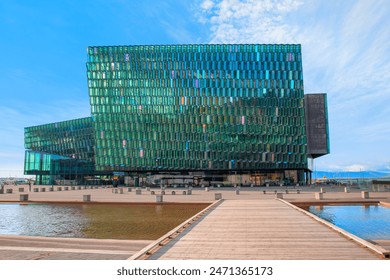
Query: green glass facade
[
  {"x": 191, "y": 110},
  {"x": 197, "y": 107},
  {"x": 60, "y": 151}
]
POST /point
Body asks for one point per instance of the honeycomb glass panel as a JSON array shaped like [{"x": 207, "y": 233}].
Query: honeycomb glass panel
[{"x": 195, "y": 107}]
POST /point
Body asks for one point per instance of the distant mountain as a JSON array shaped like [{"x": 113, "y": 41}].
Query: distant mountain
[{"x": 350, "y": 174}]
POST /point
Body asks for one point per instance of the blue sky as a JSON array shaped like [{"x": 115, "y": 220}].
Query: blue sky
[{"x": 346, "y": 53}]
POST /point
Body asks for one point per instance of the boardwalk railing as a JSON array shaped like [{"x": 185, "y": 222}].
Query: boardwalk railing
[{"x": 164, "y": 240}]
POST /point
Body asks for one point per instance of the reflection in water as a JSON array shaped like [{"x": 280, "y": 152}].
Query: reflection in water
[
  {"x": 370, "y": 222},
  {"x": 42, "y": 220},
  {"x": 319, "y": 211},
  {"x": 137, "y": 221},
  {"x": 94, "y": 221},
  {"x": 158, "y": 209}
]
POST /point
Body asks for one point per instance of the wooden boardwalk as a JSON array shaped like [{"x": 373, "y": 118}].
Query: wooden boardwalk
[
  {"x": 260, "y": 229},
  {"x": 385, "y": 244}
]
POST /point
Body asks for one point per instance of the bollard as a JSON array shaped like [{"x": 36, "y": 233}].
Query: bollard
[
  {"x": 86, "y": 197},
  {"x": 73, "y": 188},
  {"x": 206, "y": 189},
  {"x": 279, "y": 195},
  {"x": 147, "y": 189},
  {"x": 66, "y": 188},
  {"x": 35, "y": 190},
  {"x": 51, "y": 189},
  {"x": 298, "y": 191},
  {"x": 275, "y": 191},
  {"x": 184, "y": 192},
  {"x": 21, "y": 189},
  {"x": 79, "y": 188},
  {"x": 59, "y": 189},
  {"x": 138, "y": 191},
  {"x": 189, "y": 192},
  {"x": 159, "y": 198},
  {"x": 264, "y": 192},
  {"x": 319, "y": 195},
  {"x": 286, "y": 191},
  {"x": 129, "y": 189},
  {"x": 237, "y": 191},
  {"x": 43, "y": 189},
  {"x": 346, "y": 189},
  {"x": 365, "y": 194},
  {"x": 23, "y": 197},
  {"x": 218, "y": 196},
  {"x": 121, "y": 190}
]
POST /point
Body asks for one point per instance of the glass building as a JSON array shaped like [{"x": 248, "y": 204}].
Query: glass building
[
  {"x": 214, "y": 111},
  {"x": 60, "y": 151}
]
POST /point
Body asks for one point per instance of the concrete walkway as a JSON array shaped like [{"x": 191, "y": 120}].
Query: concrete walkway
[
  {"x": 106, "y": 195},
  {"x": 260, "y": 229},
  {"x": 50, "y": 248}
]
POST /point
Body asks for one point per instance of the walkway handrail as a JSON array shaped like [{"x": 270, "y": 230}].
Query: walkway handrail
[{"x": 153, "y": 247}]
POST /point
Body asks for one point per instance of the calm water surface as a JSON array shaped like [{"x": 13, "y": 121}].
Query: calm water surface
[
  {"x": 42, "y": 220},
  {"x": 370, "y": 222},
  {"x": 94, "y": 221}
]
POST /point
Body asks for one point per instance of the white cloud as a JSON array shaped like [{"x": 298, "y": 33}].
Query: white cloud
[
  {"x": 346, "y": 53},
  {"x": 234, "y": 21},
  {"x": 355, "y": 167},
  {"x": 207, "y": 5}
]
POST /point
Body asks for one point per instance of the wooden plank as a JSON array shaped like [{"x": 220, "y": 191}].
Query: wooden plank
[{"x": 260, "y": 229}]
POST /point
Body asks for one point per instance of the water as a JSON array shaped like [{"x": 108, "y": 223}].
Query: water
[
  {"x": 42, "y": 220},
  {"x": 369, "y": 222},
  {"x": 94, "y": 220}
]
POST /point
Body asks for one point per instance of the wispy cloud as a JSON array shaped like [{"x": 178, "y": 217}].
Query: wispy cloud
[
  {"x": 351, "y": 168},
  {"x": 234, "y": 21},
  {"x": 346, "y": 53},
  {"x": 357, "y": 167}
]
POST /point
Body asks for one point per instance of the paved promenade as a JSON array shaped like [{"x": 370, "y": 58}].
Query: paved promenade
[
  {"x": 106, "y": 195},
  {"x": 248, "y": 225},
  {"x": 50, "y": 248}
]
